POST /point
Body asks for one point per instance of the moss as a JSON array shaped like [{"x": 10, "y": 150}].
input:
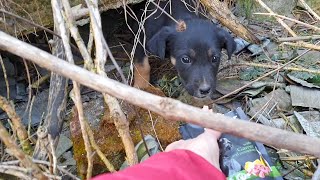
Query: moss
[{"x": 110, "y": 143}]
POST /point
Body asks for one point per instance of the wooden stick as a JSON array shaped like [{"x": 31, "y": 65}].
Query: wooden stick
[
  {"x": 75, "y": 95},
  {"x": 298, "y": 38},
  {"x": 302, "y": 44},
  {"x": 278, "y": 19},
  {"x": 18, "y": 153},
  {"x": 290, "y": 19},
  {"x": 167, "y": 107},
  {"x": 271, "y": 66},
  {"x": 219, "y": 11},
  {"x": 118, "y": 116},
  {"x": 17, "y": 125},
  {"x": 310, "y": 10}
]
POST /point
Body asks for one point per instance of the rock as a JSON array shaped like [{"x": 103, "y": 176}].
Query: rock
[
  {"x": 277, "y": 100},
  {"x": 39, "y": 109},
  {"x": 305, "y": 97},
  {"x": 63, "y": 145}
]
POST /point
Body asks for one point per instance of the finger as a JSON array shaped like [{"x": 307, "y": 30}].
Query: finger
[
  {"x": 212, "y": 132},
  {"x": 174, "y": 145}
]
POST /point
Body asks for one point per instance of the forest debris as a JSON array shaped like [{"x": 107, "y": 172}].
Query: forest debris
[
  {"x": 37, "y": 112},
  {"x": 226, "y": 86},
  {"x": 305, "y": 97},
  {"x": 291, "y": 19},
  {"x": 102, "y": 51},
  {"x": 18, "y": 127},
  {"x": 302, "y": 44},
  {"x": 222, "y": 13},
  {"x": 308, "y": 8},
  {"x": 278, "y": 98},
  {"x": 106, "y": 135},
  {"x": 289, "y": 124},
  {"x": 14, "y": 149},
  {"x": 265, "y": 75},
  {"x": 167, "y": 107},
  {"x": 302, "y": 82},
  {"x": 64, "y": 144},
  {"x": 298, "y": 38},
  {"x": 278, "y": 19},
  {"x": 270, "y": 66},
  {"x": 310, "y": 128}
]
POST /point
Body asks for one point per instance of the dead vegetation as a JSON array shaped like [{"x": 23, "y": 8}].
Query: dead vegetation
[{"x": 81, "y": 121}]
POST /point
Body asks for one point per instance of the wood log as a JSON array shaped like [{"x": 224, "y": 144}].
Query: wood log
[
  {"x": 221, "y": 12},
  {"x": 166, "y": 107}
]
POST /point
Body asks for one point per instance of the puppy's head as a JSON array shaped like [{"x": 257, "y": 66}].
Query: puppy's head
[{"x": 195, "y": 52}]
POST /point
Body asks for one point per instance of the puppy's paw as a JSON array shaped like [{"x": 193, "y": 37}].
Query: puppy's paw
[{"x": 140, "y": 83}]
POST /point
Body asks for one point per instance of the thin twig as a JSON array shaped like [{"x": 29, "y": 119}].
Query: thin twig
[
  {"x": 302, "y": 45},
  {"x": 17, "y": 124},
  {"x": 99, "y": 152},
  {"x": 5, "y": 77},
  {"x": 36, "y": 25},
  {"x": 265, "y": 75},
  {"x": 278, "y": 19},
  {"x": 298, "y": 38},
  {"x": 290, "y": 19},
  {"x": 270, "y": 66},
  {"x": 15, "y": 172},
  {"x": 88, "y": 62},
  {"x": 18, "y": 153},
  {"x": 116, "y": 112},
  {"x": 310, "y": 10},
  {"x": 75, "y": 95}
]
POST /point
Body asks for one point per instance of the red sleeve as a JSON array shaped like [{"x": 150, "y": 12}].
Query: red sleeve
[{"x": 176, "y": 164}]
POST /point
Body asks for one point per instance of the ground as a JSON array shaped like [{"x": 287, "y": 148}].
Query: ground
[{"x": 286, "y": 99}]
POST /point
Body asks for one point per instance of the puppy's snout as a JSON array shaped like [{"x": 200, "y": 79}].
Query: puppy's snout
[{"x": 204, "y": 89}]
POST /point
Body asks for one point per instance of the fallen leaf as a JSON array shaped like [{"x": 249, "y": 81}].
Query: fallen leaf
[{"x": 305, "y": 97}]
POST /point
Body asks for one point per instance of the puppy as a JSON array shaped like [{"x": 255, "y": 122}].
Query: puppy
[{"x": 195, "y": 52}]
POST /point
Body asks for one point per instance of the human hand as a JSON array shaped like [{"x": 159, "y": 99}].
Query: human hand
[{"x": 205, "y": 145}]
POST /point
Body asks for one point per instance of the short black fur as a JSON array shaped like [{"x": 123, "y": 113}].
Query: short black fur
[{"x": 196, "y": 51}]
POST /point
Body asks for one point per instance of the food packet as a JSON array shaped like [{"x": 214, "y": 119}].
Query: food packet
[{"x": 240, "y": 158}]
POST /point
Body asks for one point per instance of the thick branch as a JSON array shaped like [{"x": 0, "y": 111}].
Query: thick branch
[
  {"x": 219, "y": 11},
  {"x": 167, "y": 107},
  {"x": 116, "y": 112}
]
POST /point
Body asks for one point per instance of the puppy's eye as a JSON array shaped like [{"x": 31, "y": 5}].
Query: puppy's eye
[
  {"x": 186, "y": 60},
  {"x": 214, "y": 59}
]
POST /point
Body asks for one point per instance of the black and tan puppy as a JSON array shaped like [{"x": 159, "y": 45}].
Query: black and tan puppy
[{"x": 195, "y": 52}]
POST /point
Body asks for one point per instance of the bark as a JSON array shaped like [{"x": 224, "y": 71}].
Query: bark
[
  {"x": 18, "y": 153},
  {"x": 221, "y": 12},
  {"x": 167, "y": 107},
  {"x": 17, "y": 125}
]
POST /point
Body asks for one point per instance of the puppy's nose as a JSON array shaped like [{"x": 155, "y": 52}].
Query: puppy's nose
[{"x": 204, "y": 89}]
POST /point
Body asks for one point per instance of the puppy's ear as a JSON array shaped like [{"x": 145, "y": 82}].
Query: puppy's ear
[
  {"x": 227, "y": 42},
  {"x": 157, "y": 44}
]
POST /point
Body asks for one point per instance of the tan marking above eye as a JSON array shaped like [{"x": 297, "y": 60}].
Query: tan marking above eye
[
  {"x": 173, "y": 60},
  {"x": 192, "y": 53},
  {"x": 210, "y": 53}
]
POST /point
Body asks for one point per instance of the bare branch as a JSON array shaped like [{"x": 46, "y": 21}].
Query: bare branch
[
  {"x": 17, "y": 125},
  {"x": 167, "y": 107},
  {"x": 277, "y": 18},
  {"x": 18, "y": 153}
]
